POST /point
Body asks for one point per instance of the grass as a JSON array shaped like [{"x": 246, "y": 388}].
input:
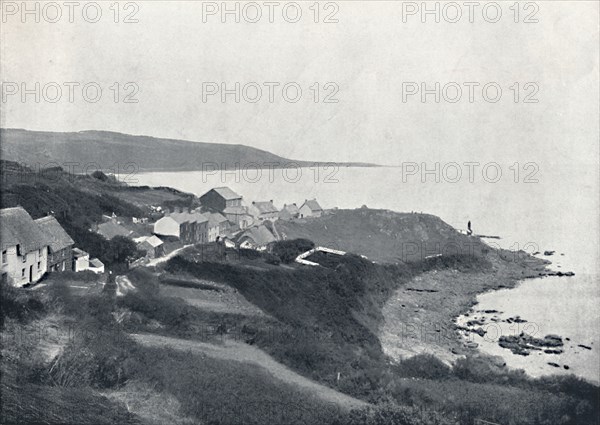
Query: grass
[{"x": 327, "y": 321}]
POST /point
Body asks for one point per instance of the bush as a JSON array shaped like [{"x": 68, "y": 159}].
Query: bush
[
  {"x": 425, "y": 366},
  {"x": 288, "y": 250},
  {"x": 19, "y": 304}
]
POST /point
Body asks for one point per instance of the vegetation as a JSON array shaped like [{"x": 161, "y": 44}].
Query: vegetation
[
  {"x": 79, "y": 201},
  {"x": 326, "y": 324},
  {"x": 321, "y": 322},
  {"x": 288, "y": 250}
]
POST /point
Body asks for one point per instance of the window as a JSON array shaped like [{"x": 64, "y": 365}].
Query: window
[
  {"x": 4, "y": 257},
  {"x": 23, "y": 273},
  {"x": 39, "y": 265},
  {"x": 24, "y": 258},
  {"x": 40, "y": 252}
]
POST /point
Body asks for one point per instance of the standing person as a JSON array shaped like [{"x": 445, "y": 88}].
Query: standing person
[{"x": 469, "y": 230}]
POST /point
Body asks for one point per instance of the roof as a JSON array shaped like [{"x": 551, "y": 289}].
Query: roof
[
  {"x": 313, "y": 205},
  {"x": 292, "y": 208},
  {"x": 57, "y": 237},
  {"x": 259, "y": 235},
  {"x": 216, "y": 217},
  {"x": 96, "y": 262},
  {"x": 18, "y": 228},
  {"x": 226, "y": 193},
  {"x": 265, "y": 207},
  {"x": 285, "y": 214},
  {"x": 186, "y": 217},
  {"x": 153, "y": 241},
  {"x": 78, "y": 253},
  {"x": 111, "y": 229}
]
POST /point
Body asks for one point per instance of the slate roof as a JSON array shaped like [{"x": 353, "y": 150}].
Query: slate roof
[
  {"x": 18, "y": 228},
  {"x": 215, "y": 219},
  {"x": 153, "y": 241},
  {"x": 186, "y": 217},
  {"x": 265, "y": 207},
  {"x": 57, "y": 237},
  {"x": 226, "y": 193},
  {"x": 96, "y": 263},
  {"x": 313, "y": 205},
  {"x": 260, "y": 235},
  {"x": 292, "y": 208}
]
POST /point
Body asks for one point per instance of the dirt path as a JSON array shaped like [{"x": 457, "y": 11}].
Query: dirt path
[
  {"x": 167, "y": 257},
  {"x": 240, "y": 352}
]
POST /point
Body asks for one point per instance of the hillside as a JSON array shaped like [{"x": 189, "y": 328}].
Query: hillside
[
  {"x": 106, "y": 149},
  {"x": 78, "y": 201},
  {"x": 383, "y": 236}
]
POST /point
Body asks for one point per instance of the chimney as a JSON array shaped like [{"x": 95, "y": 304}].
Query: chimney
[
  {"x": 253, "y": 202},
  {"x": 295, "y": 204},
  {"x": 271, "y": 201}
]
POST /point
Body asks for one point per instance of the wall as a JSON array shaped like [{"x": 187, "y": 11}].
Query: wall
[{"x": 14, "y": 265}]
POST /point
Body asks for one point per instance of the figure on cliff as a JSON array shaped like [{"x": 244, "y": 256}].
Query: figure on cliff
[{"x": 469, "y": 230}]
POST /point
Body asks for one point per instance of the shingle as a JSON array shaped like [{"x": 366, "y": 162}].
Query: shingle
[{"x": 227, "y": 193}]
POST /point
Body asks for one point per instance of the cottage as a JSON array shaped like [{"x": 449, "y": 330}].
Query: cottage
[
  {"x": 60, "y": 244},
  {"x": 289, "y": 212},
  {"x": 239, "y": 216},
  {"x": 263, "y": 211},
  {"x": 167, "y": 226},
  {"x": 24, "y": 247},
  {"x": 257, "y": 238},
  {"x": 311, "y": 208},
  {"x": 217, "y": 225},
  {"x": 220, "y": 198},
  {"x": 189, "y": 227},
  {"x": 153, "y": 246}
]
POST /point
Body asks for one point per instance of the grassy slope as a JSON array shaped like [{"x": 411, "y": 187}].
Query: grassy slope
[{"x": 381, "y": 235}]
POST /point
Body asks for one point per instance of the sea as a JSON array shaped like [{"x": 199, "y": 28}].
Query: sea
[{"x": 533, "y": 208}]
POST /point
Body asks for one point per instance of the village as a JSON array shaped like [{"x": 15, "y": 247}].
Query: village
[{"x": 32, "y": 248}]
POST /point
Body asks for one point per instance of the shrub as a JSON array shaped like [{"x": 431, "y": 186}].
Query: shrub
[
  {"x": 425, "y": 366},
  {"x": 288, "y": 250}
]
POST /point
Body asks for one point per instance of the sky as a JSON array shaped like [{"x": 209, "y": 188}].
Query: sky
[{"x": 374, "y": 54}]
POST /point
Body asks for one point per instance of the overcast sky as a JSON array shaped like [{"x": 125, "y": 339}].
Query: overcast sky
[{"x": 368, "y": 54}]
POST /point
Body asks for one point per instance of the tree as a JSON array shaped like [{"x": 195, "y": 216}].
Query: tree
[{"x": 123, "y": 250}]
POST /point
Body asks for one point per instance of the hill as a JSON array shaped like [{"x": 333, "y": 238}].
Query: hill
[
  {"x": 106, "y": 149},
  {"x": 383, "y": 236},
  {"x": 78, "y": 201}
]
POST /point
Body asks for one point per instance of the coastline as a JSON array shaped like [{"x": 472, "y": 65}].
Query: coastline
[
  {"x": 422, "y": 318},
  {"x": 428, "y": 317}
]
